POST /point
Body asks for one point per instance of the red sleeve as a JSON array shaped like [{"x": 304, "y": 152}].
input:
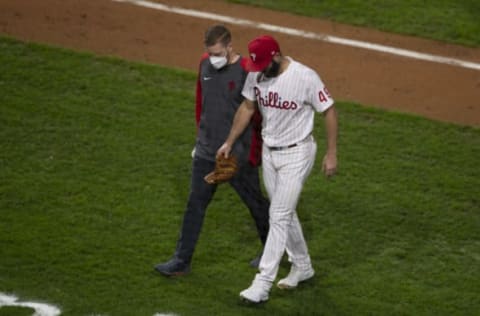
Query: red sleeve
[
  {"x": 198, "y": 95},
  {"x": 255, "y": 156}
]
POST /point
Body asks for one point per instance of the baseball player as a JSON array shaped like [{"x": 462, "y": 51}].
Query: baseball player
[
  {"x": 288, "y": 94},
  {"x": 219, "y": 85}
]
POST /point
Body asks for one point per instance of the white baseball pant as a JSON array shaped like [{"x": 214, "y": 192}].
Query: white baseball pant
[{"x": 284, "y": 173}]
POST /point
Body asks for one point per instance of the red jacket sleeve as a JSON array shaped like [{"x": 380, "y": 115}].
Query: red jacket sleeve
[
  {"x": 255, "y": 156},
  {"x": 198, "y": 94}
]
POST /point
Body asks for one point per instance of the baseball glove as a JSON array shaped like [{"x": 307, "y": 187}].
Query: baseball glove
[{"x": 225, "y": 169}]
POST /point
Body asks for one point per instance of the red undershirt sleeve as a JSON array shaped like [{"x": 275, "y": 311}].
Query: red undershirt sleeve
[
  {"x": 198, "y": 94},
  {"x": 255, "y": 155}
]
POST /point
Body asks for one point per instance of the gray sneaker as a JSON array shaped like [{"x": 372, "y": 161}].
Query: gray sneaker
[{"x": 173, "y": 267}]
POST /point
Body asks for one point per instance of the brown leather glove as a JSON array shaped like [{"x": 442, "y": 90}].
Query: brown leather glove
[{"x": 225, "y": 169}]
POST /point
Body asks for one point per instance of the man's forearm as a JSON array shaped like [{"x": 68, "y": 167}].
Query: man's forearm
[
  {"x": 240, "y": 122},
  {"x": 331, "y": 126}
]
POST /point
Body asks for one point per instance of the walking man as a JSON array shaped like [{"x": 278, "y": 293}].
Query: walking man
[
  {"x": 220, "y": 81},
  {"x": 288, "y": 94}
]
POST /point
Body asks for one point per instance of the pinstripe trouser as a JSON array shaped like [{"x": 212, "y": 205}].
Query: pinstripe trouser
[{"x": 284, "y": 173}]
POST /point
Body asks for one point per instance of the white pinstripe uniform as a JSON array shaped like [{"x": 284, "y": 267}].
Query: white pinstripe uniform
[{"x": 288, "y": 104}]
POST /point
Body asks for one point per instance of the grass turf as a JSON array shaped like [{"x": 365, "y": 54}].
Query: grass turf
[
  {"x": 445, "y": 20},
  {"x": 95, "y": 166}
]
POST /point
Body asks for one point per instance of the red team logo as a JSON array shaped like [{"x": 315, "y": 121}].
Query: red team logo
[{"x": 231, "y": 85}]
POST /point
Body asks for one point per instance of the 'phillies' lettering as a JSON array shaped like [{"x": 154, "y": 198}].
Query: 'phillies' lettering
[{"x": 274, "y": 100}]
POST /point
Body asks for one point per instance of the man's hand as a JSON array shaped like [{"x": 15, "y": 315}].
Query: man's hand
[
  {"x": 329, "y": 164},
  {"x": 224, "y": 150}
]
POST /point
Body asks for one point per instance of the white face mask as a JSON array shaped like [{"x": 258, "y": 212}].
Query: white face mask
[{"x": 218, "y": 62}]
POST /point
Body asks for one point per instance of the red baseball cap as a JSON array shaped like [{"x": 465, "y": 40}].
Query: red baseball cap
[{"x": 261, "y": 51}]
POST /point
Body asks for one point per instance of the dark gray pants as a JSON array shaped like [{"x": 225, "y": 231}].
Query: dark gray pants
[{"x": 246, "y": 183}]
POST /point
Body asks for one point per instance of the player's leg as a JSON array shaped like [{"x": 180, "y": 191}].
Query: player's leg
[
  {"x": 280, "y": 216},
  {"x": 269, "y": 172},
  {"x": 200, "y": 196},
  {"x": 301, "y": 268},
  {"x": 282, "y": 208},
  {"x": 296, "y": 246},
  {"x": 269, "y": 180},
  {"x": 259, "y": 289},
  {"x": 292, "y": 168}
]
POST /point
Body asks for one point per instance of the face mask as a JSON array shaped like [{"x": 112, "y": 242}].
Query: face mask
[
  {"x": 273, "y": 70},
  {"x": 218, "y": 62}
]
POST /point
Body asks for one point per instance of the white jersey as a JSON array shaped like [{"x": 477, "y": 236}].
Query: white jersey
[{"x": 287, "y": 103}]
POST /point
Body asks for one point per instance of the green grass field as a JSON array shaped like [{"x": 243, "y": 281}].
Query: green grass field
[
  {"x": 95, "y": 169},
  {"x": 444, "y": 20}
]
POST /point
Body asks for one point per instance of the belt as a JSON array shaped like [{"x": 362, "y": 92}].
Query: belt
[
  {"x": 283, "y": 147},
  {"x": 292, "y": 145}
]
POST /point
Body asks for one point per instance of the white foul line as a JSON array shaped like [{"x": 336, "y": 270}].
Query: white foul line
[
  {"x": 305, "y": 34},
  {"x": 41, "y": 309}
]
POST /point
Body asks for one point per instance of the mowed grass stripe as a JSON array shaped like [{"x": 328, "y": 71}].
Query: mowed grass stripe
[{"x": 446, "y": 20}]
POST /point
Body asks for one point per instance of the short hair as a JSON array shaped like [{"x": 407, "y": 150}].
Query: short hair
[{"x": 217, "y": 33}]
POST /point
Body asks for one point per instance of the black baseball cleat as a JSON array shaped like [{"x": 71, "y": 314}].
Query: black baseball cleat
[{"x": 173, "y": 267}]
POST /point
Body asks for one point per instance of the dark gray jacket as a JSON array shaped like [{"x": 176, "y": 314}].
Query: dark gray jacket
[{"x": 219, "y": 94}]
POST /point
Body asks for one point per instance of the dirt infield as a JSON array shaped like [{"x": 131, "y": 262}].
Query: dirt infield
[{"x": 437, "y": 91}]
